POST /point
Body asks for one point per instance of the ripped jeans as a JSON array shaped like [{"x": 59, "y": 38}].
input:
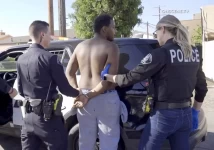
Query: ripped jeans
[{"x": 100, "y": 117}]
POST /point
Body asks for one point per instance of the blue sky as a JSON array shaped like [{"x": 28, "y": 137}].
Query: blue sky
[{"x": 16, "y": 15}]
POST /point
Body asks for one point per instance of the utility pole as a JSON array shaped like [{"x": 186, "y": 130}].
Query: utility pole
[
  {"x": 159, "y": 10},
  {"x": 62, "y": 20},
  {"x": 50, "y": 16},
  {"x": 147, "y": 24}
]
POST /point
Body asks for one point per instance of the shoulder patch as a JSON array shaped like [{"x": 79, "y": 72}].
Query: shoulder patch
[{"x": 147, "y": 59}]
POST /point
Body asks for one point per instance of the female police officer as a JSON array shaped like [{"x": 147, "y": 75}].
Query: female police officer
[{"x": 175, "y": 71}]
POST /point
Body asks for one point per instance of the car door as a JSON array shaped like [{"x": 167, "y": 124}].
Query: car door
[
  {"x": 8, "y": 67},
  {"x": 68, "y": 101},
  {"x": 134, "y": 95}
]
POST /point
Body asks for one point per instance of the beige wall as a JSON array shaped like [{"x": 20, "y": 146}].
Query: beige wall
[
  {"x": 208, "y": 21},
  {"x": 197, "y": 16},
  {"x": 191, "y": 25},
  {"x": 208, "y": 60}
]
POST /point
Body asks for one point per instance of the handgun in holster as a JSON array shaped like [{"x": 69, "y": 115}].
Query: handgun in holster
[{"x": 149, "y": 101}]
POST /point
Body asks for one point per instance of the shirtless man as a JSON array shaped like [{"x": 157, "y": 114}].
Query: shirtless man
[{"x": 100, "y": 114}]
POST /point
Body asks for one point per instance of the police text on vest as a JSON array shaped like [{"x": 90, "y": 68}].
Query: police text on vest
[{"x": 178, "y": 56}]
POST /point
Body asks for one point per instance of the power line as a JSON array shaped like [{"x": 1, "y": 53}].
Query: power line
[
  {"x": 159, "y": 12},
  {"x": 148, "y": 23},
  {"x": 147, "y": 27}
]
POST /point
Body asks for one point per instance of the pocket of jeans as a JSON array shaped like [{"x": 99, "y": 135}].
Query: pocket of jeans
[{"x": 166, "y": 122}]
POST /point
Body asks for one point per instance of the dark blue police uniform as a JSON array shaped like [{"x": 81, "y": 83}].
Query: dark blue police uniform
[
  {"x": 35, "y": 70},
  {"x": 6, "y": 104},
  {"x": 5, "y": 87},
  {"x": 174, "y": 78}
]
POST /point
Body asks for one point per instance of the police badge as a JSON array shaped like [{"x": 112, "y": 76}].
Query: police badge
[{"x": 147, "y": 59}]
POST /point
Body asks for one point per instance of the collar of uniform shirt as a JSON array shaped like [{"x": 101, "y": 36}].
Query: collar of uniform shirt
[
  {"x": 35, "y": 45},
  {"x": 169, "y": 41}
]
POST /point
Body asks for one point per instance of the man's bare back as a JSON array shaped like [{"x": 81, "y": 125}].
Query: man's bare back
[{"x": 90, "y": 57}]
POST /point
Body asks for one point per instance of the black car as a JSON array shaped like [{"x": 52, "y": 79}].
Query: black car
[{"x": 132, "y": 50}]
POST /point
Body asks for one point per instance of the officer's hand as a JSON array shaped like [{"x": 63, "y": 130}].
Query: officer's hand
[
  {"x": 13, "y": 92},
  {"x": 105, "y": 71},
  {"x": 195, "y": 114},
  {"x": 81, "y": 101}
]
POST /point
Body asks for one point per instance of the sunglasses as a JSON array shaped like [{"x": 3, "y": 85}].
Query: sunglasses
[{"x": 155, "y": 33}]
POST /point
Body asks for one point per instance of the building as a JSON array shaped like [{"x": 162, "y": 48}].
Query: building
[
  {"x": 8, "y": 40},
  {"x": 207, "y": 13},
  {"x": 140, "y": 34},
  {"x": 208, "y": 40},
  {"x": 192, "y": 24}
]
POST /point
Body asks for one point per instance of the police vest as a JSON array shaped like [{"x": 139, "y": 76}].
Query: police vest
[{"x": 178, "y": 76}]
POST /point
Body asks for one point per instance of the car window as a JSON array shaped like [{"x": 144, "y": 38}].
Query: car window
[
  {"x": 59, "y": 53},
  {"x": 155, "y": 45},
  {"x": 9, "y": 63},
  {"x": 144, "y": 49},
  {"x": 130, "y": 57},
  {"x": 66, "y": 57}
]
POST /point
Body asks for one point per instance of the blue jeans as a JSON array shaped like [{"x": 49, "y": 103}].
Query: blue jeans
[{"x": 172, "y": 124}]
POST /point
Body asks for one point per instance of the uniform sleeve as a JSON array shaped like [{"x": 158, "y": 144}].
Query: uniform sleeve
[
  {"x": 201, "y": 85},
  {"x": 4, "y": 86},
  {"x": 60, "y": 78},
  {"x": 19, "y": 83},
  {"x": 148, "y": 67}
]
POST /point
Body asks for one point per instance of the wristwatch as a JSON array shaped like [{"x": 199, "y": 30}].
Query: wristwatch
[
  {"x": 104, "y": 77},
  {"x": 11, "y": 91}
]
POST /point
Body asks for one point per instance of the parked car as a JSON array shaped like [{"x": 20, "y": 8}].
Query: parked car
[{"x": 132, "y": 50}]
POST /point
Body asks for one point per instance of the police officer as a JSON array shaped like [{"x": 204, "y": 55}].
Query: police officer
[
  {"x": 6, "y": 95},
  {"x": 175, "y": 71},
  {"x": 5, "y": 88},
  {"x": 39, "y": 73}
]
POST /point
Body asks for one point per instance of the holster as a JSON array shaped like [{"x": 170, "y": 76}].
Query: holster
[
  {"x": 36, "y": 106},
  {"x": 148, "y": 105},
  {"x": 53, "y": 107},
  {"x": 31, "y": 105},
  {"x": 58, "y": 105}
]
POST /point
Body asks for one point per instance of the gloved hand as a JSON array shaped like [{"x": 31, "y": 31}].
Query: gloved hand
[
  {"x": 105, "y": 71},
  {"x": 195, "y": 114}
]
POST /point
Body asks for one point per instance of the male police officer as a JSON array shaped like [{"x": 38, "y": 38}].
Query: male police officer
[
  {"x": 39, "y": 73},
  {"x": 175, "y": 71}
]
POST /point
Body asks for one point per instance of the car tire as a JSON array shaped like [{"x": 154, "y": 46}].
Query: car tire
[{"x": 73, "y": 139}]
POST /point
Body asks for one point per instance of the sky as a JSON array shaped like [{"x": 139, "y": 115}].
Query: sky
[{"x": 17, "y": 15}]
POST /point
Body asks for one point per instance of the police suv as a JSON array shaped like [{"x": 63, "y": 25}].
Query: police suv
[{"x": 132, "y": 50}]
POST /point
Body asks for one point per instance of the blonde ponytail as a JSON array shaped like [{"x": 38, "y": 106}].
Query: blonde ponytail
[
  {"x": 179, "y": 32},
  {"x": 183, "y": 40}
]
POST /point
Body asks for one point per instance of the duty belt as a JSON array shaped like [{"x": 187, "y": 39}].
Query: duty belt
[{"x": 164, "y": 105}]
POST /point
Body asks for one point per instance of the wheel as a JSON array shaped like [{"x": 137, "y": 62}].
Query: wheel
[{"x": 73, "y": 140}]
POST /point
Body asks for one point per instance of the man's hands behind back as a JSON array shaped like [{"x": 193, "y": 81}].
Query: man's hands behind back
[{"x": 80, "y": 101}]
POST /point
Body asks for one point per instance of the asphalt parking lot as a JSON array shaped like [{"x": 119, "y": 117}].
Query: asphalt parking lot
[{"x": 9, "y": 143}]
